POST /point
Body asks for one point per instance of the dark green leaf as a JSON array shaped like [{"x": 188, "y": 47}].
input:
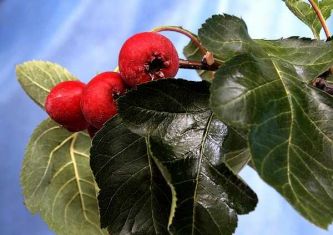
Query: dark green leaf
[
  {"x": 226, "y": 36},
  {"x": 38, "y": 77},
  {"x": 303, "y": 10},
  {"x": 57, "y": 180},
  {"x": 309, "y": 57},
  {"x": 134, "y": 197},
  {"x": 267, "y": 93},
  {"x": 186, "y": 144},
  {"x": 290, "y": 133},
  {"x": 237, "y": 153}
]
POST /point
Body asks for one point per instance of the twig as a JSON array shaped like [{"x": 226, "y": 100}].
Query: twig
[
  {"x": 320, "y": 82},
  {"x": 184, "y": 32},
  {"x": 188, "y": 64},
  {"x": 321, "y": 18}
]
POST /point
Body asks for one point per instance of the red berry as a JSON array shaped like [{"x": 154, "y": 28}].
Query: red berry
[
  {"x": 98, "y": 99},
  {"x": 147, "y": 56},
  {"x": 63, "y": 105}
]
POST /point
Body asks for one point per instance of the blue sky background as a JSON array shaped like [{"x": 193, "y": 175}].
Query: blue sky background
[{"x": 85, "y": 37}]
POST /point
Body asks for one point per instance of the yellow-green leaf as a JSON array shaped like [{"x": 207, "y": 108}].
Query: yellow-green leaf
[
  {"x": 57, "y": 180},
  {"x": 38, "y": 77}
]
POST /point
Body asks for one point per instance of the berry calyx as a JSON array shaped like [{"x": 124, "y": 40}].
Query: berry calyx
[
  {"x": 147, "y": 56},
  {"x": 63, "y": 105},
  {"x": 98, "y": 101}
]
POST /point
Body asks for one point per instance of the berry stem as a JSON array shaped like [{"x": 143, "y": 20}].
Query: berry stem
[
  {"x": 184, "y": 32},
  {"x": 321, "y": 18},
  {"x": 188, "y": 64}
]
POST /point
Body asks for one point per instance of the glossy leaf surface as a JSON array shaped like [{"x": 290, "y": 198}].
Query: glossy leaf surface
[
  {"x": 186, "y": 142},
  {"x": 134, "y": 197}
]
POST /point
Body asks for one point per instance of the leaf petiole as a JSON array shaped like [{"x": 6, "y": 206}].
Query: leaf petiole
[{"x": 321, "y": 18}]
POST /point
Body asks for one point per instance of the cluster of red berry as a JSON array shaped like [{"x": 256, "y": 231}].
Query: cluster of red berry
[{"x": 143, "y": 57}]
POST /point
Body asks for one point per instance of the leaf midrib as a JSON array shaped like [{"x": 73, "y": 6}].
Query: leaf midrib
[
  {"x": 291, "y": 122},
  {"x": 289, "y": 174},
  {"x": 150, "y": 188},
  {"x": 290, "y": 135},
  {"x": 50, "y": 155},
  {"x": 76, "y": 174},
  {"x": 33, "y": 82},
  {"x": 199, "y": 169}
]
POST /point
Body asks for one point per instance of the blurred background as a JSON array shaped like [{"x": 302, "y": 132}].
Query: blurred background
[{"x": 85, "y": 37}]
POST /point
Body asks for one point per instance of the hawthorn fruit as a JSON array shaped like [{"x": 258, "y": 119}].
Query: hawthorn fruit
[
  {"x": 147, "y": 56},
  {"x": 63, "y": 105},
  {"x": 98, "y": 101}
]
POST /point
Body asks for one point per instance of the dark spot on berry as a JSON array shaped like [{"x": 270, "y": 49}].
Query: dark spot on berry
[{"x": 154, "y": 67}]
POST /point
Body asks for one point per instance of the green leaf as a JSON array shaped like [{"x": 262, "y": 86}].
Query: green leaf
[
  {"x": 237, "y": 154},
  {"x": 134, "y": 197},
  {"x": 267, "y": 92},
  {"x": 290, "y": 133},
  {"x": 309, "y": 57},
  {"x": 305, "y": 13},
  {"x": 226, "y": 36},
  {"x": 38, "y": 77},
  {"x": 57, "y": 180},
  {"x": 186, "y": 144}
]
